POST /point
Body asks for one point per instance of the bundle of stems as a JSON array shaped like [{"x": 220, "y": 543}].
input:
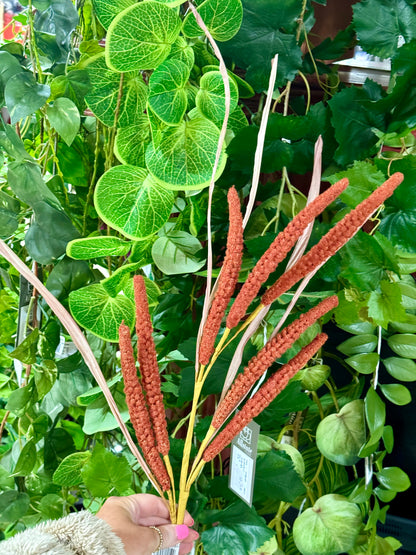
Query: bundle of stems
[{"x": 144, "y": 396}]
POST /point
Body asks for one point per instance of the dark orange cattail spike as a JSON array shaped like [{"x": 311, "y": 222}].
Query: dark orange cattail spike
[
  {"x": 264, "y": 396},
  {"x": 278, "y": 251},
  {"x": 149, "y": 369},
  {"x": 139, "y": 415},
  {"x": 273, "y": 349},
  {"x": 227, "y": 280},
  {"x": 333, "y": 240}
]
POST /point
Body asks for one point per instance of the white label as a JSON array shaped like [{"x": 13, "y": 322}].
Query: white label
[
  {"x": 243, "y": 462},
  {"x": 169, "y": 550}
]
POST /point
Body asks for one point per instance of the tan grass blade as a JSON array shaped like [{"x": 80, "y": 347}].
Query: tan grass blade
[{"x": 83, "y": 347}]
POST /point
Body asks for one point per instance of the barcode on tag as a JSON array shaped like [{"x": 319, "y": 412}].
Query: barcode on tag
[{"x": 243, "y": 462}]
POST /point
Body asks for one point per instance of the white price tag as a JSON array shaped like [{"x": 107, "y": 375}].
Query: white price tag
[
  {"x": 168, "y": 551},
  {"x": 243, "y": 462}
]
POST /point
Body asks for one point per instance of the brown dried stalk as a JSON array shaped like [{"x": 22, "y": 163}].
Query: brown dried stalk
[
  {"x": 139, "y": 415},
  {"x": 273, "y": 349},
  {"x": 278, "y": 251},
  {"x": 264, "y": 396},
  {"x": 149, "y": 369},
  {"x": 333, "y": 240},
  {"x": 227, "y": 280}
]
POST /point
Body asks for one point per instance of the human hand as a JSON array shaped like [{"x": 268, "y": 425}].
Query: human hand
[{"x": 130, "y": 518}]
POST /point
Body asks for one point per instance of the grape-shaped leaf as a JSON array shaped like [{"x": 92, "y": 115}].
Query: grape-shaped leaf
[
  {"x": 103, "y": 97},
  {"x": 94, "y": 309},
  {"x": 185, "y": 157},
  {"x": 131, "y": 142},
  {"x": 339, "y": 437},
  {"x": 183, "y": 52},
  {"x": 330, "y": 527},
  {"x": 176, "y": 253},
  {"x": 210, "y": 99},
  {"x": 141, "y": 37},
  {"x": 96, "y": 247},
  {"x": 130, "y": 201},
  {"x": 167, "y": 95},
  {"x": 106, "y": 11},
  {"x": 23, "y": 95},
  {"x": 222, "y": 17}
]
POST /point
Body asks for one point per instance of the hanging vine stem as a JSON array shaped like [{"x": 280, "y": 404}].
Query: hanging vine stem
[
  {"x": 33, "y": 47},
  {"x": 91, "y": 188},
  {"x": 113, "y": 131}
]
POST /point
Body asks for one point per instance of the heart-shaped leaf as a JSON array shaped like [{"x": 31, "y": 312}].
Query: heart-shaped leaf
[
  {"x": 185, "y": 157},
  {"x": 103, "y": 97},
  {"x": 183, "y": 52},
  {"x": 330, "y": 527},
  {"x": 167, "y": 95},
  {"x": 68, "y": 472},
  {"x": 141, "y": 36},
  {"x": 222, "y": 17},
  {"x": 64, "y": 117},
  {"x": 131, "y": 142},
  {"x": 94, "y": 309},
  {"x": 175, "y": 254},
  {"x": 340, "y": 436},
  {"x": 210, "y": 99},
  {"x": 24, "y": 95},
  {"x": 132, "y": 202}
]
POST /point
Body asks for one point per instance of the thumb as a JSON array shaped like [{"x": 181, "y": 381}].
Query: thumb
[{"x": 174, "y": 534}]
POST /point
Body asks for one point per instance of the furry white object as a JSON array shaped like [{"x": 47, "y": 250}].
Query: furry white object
[{"x": 76, "y": 534}]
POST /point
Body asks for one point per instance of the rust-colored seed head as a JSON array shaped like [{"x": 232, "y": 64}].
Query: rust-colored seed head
[
  {"x": 333, "y": 240},
  {"x": 146, "y": 353},
  {"x": 264, "y": 396},
  {"x": 278, "y": 251},
  {"x": 139, "y": 415},
  {"x": 227, "y": 280},
  {"x": 264, "y": 358}
]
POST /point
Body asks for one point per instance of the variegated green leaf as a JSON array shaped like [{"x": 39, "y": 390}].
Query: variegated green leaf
[
  {"x": 222, "y": 17},
  {"x": 210, "y": 99},
  {"x": 106, "y": 11},
  {"x": 131, "y": 142},
  {"x": 167, "y": 95},
  {"x": 141, "y": 36}
]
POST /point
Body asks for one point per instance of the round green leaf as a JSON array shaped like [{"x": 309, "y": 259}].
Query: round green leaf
[
  {"x": 403, "y": 344},
  {"x": 330, "y": 527},
  {"x": 130, "y": 201},
  {"x": 131, "y": 142},
  {"x": 339, "y": 437},
  {"x": 141, "y": 36},
  {"x": 106, "y": 474},
  {"x": 106, "y": 11},
  {"x": 153, "y": 292},
  {"x": 185, "y": 157},
  {"x": 167, "y": 95},
  {"x": 64, "y": 117},
  {"x": 103, "y": 97},
  {"x": 96, "y": 247},
  {"x": 393, "y": 478},
  {"x": 68, "y": 472},
  {"x": 172, "y": 3},
  {"x": 364, "y": 363},
  {"x": 402, "y": 369},
  {"x": 365, "y": 343},
  {"x": 314, "y": 377},
  {"x": 210, "y": 99},
  {"x": 94, "y": 309},
  {"x": 222, "y": 17},
  {"x": 175, "y": 254},
  {"x": 23, "y": 95},
  {"x": 245, "y": 90},
  {"x": 396, "y": 393}
]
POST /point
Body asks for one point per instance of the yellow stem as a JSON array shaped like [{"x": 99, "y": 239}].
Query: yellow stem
[
  {"x": 194, "y": 475},
  {"x": 172, "y": 501},
  {"x": 211, "y": 431},
  {"x": 218, "y": 350},
  {"x": 172, "y": 506},
  {"x": 245, "y": 324}
]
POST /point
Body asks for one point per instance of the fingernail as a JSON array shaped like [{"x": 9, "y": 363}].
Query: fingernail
[
  {"x": 193, "y": 521},
  {"x": 182, "y": 531}
]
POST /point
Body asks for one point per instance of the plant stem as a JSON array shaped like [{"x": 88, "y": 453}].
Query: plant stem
[{"x": 332, "y": 392}]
